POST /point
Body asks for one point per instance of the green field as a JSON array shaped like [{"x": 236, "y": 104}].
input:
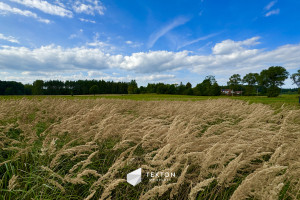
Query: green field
[{"x": 291, "y": 101}]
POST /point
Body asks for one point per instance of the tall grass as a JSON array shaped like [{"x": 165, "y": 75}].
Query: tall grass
[{"x": 57, "y": 148}]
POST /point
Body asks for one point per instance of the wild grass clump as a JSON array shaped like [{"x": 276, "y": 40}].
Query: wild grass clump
[{"x": 55, "y": 148}]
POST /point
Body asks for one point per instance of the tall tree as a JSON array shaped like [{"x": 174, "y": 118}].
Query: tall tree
[
  {"x": 94, "y": 89},
  {"x": 188, "y": 90},
  {"x": 181, "y": 88},
  {"x": 28, "y": 89},
  {"x": 272, "y": 79},
  {"x": 208, "y": 87},
  {"x": 132, "y": 87},
  {"x": 234, "y": 82},
  {"x": 251, "y": 80},
  {"x": 296, "y": 80},
  {"x": 37, "y": 88},
  {"x": 188, "y": 85}
]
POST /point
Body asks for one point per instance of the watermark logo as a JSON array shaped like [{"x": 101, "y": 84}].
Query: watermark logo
[
  {"x": 135, "y": 177},
  {"x": 160, "y": 176}
]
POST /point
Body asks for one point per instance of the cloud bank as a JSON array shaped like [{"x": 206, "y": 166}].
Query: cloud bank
[{"x": 226, "y": 58}]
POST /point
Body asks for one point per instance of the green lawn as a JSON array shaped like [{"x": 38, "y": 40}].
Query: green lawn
[{"x": 287, "y": 100}]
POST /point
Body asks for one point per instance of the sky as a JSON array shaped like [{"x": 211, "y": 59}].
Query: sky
[{"x": 147, "y": 40}]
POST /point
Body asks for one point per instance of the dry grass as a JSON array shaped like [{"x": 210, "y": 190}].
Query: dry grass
[{"x": 219, "y": 149}]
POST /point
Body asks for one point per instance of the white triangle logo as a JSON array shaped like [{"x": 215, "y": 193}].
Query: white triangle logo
[{"x": 135, "y": 177}]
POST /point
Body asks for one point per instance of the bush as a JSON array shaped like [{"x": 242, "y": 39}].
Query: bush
[{"x": 273, "y": 91}]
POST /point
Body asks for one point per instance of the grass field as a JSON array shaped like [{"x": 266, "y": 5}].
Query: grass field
[
  {"x": 82, "y": 147},
  {"x": 287, "y": 100}
]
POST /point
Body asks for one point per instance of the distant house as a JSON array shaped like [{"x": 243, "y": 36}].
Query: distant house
[
  {"x": 226, "y": 91},
  {"x": 230, "y": 92},
  {"x": 238, "y": 92}
]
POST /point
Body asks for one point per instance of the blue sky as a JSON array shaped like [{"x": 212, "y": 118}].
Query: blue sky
[{"x": 146, "y": 40}]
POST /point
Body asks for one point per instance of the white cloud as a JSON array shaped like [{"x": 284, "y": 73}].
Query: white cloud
[
  {"x": 29, "y": 77},
  {"x": 9, "y": 38},
  {"x": 94, "y": 74},
  {"x": 133, "y": 44},
  {"x": 230, "y": 46},
  {"x": 53, "y": 58},
  {"x": 101, "y": 45},
  {"x": 98, "y": 44},
  {"x": 144, "y": 79},
  {"x": 161, "y": 32},
  {"x": 270, "y": 5},
  {"x": 155, "y": 61},
  {"x": 45, "y": 7},
  {"x": 59, "y": 3},
  {"x": 89, "y": 7},
  {"x": 227, "y": 57},
  {"x": 272, "y": 12},
  {"x": 155, "y": 77},
  {"x": 87, "y": 20},
  {"x": 6, "y": 9}
]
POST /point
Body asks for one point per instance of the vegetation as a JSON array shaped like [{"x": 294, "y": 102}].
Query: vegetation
[
  {"x": 272, "y": 79},
  {"x": 209, "y": 87},
  {"x": 94, "y": 89},
  {"x": 296, "y": 79},
  {"x": 287, "y": 100},
  {"x": 234, "y": 82},
  {"x": 268, "y": 83},
  {"x": 251, "y": 81},
  {"x": 83, "y": 147},
  {"x": 11, "y": 88}
]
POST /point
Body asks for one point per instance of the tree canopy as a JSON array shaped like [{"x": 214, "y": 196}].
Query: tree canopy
[
  {"x": 272, "y": 79},
  {"x": 235, "y": 82}
]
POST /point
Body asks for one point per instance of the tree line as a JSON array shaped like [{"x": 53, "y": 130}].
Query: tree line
[{"x": 267, "y": 82}]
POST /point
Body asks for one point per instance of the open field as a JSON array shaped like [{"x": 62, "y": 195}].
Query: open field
[
  {"x": 82, "y": 147},
  {"x": 276, "y": 102}
]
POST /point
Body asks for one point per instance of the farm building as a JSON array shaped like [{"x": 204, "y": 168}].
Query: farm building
[{"x": 231, "y": 92}]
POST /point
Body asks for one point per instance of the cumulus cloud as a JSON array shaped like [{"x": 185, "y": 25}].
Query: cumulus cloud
[
  {"x": 88, "y": 7},
  {"x": 155, "y": 61},
  {"x": 45, "y": 7},
  {"x": 230, "y": 46},
  {"x": 227, "y": 57},
  {"x": 7, "y": 9},
  {"x": 161, "y": 32},
  {"x": 53, "y": 58},
  {"x": 9, "y": 38}
]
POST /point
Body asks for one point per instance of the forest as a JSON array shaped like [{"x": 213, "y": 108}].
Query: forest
[{"x": 268, "y": 82}]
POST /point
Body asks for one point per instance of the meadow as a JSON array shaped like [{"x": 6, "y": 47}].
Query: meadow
[
  {"x": 82, "y": 147},
  {"x": 291, "y": 101}
]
